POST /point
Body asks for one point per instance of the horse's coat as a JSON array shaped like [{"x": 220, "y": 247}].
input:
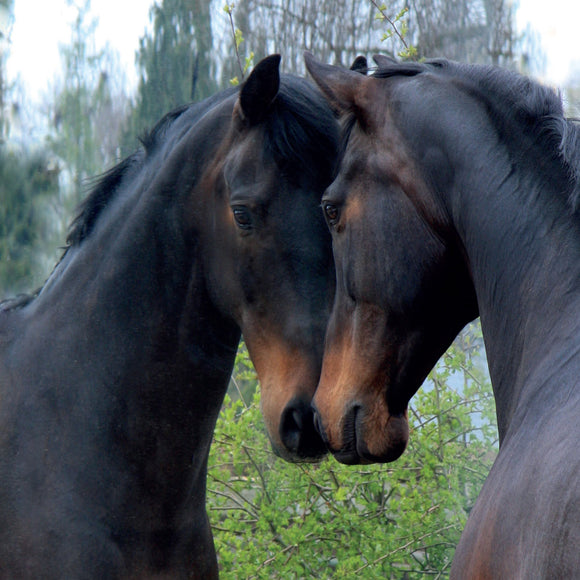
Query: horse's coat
[
  {"x": 112, "y": 377},
  {"x": 458, "y": 196}
]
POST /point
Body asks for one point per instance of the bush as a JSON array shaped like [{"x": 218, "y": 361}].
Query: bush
[{"x": 272, "y": 519}]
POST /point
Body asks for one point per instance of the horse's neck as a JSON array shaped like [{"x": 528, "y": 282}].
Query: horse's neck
[
  {"x": 132, "y": 329},
  {"x": 526, "y": 270}
]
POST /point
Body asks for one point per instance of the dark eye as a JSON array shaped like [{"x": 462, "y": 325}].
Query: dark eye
[
  {"x": 243, "y": 217},
  {"x": 331, "y": 212}
]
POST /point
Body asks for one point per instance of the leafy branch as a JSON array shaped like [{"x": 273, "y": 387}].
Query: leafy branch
[
  {"x": 238, "y": 39},
  {"x": 398, "y": 27}
]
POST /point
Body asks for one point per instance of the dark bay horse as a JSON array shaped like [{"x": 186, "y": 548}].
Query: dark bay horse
[
  {"x": 112, "y": 376},
  {"x": 459, "y": 196}
]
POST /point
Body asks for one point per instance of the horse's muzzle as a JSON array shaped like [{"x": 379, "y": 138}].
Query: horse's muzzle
[{"x": 298, "y": 433}]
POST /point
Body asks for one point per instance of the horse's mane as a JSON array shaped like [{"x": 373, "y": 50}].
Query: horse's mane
[
  {"x": 105, "y": 186},
  {"x": 509, "y": 95},
  {"x": 300, "y": 131},
  {"x": 101, "y": 194},
  {"x": 16, "y": 302}
]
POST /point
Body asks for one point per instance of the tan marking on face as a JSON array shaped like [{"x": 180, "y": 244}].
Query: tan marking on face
[
  {"x": 284, "y": 372},
  {"x": 334, "y": 392},
  {"x": 352, "y": 375},
  {"x": 354, "y": 208}
]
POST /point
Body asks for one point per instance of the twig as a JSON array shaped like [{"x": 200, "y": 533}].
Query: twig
[
  {"x": 230, "y": 12},
  {"x": 391, "y": 22},
  {"x": 405, "y": 546}
]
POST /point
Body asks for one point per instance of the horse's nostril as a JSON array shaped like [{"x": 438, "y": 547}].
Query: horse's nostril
[
  {"x": 297, "y": 417},
  {"x": 317, "y": 422},
  {"x": 298, "y": 432},
  {"x": 290, "y": 429}
]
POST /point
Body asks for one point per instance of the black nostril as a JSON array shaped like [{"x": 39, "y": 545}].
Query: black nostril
[
  {"x": 298, "y": 431},
  {"x": 290, "y": 427},
  {"x": 297, "y": 418},
  {"x": 317, "y": 422}
]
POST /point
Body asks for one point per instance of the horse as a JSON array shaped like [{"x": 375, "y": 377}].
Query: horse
[
  {"x": 458, "y": 196},
  {"x": 113, "y": 374}
]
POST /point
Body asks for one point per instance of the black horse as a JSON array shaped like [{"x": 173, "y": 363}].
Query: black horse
[
  {"x": 112, "y": 376},
  {"x": 459, "y": 196}
]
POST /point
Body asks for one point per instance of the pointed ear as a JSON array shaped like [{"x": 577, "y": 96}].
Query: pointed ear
[
  {"x": 339, "y": 85},
  {"x": 360, "y": 65},
  {"x": 260, "y": 89},
  {"x": 383, "y": 60}
]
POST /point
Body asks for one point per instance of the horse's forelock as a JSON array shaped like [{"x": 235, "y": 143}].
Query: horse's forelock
[{"x": 302, "y": 132}]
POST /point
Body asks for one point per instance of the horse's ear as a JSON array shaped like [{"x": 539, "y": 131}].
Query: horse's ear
[
  {"x": 360, "y": 65},
  {"x": 260, "y": 89},
  {"x": 339, "y": 85},
  {"x": 382, "y": 60}
]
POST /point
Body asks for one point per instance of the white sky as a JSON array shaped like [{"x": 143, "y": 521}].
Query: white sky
[
  {"x": 40, "y": 25},
  {"x": 558, "y": 23}
]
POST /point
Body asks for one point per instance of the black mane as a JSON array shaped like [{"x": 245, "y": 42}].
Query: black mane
[
  {"x": 301, "y": 131},
  {"x": 106, "y": 186},
  {"x": 533, "y": 106},
  {"x": 101, "y": 194},
  {"x": 16, "y": 302}
]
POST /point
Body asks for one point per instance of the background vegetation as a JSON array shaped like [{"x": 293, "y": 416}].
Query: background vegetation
[
  {"x": 271, "y": 519},
  {"x": 402, "y": 520}
]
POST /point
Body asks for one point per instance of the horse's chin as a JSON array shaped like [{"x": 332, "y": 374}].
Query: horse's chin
[
  {"x": 351, "y": 457},
  {"x": 366, "y": 446},
  {"x": 363, "y": 457},
  {"x": 313, "y": 456}
]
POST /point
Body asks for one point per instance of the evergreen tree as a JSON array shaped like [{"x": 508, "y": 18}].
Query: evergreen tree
[
  {"x": 26, "y": 181},
  {"x": 174, "y": 61}
]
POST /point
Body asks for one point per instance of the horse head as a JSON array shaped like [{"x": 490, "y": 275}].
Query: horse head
[
  {"x": 403, "y": 291},
  {"x": 272, "y": 269}
]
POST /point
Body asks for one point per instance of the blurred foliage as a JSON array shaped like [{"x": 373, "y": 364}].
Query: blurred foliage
[
  {"x": 72, "y": 138},
  {"x": 272, "y": 519},
  {"x": 87, "y": 111},
  {"x": 26, "y": 179},
  {"x": 243, "y": 383}
]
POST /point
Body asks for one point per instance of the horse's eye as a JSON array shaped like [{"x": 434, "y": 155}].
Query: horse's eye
[
  {"x": 331, "y": 212},
  {"x": 243, "y": 217}
]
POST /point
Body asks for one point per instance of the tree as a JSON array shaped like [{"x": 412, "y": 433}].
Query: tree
[
  {"x": 5, "y": 20},
  {"x": 27, "y": 178},
  {"x": 88, "y": 112},
  {"x": 175, "y": 62},
  {"x": 475, "y": 31},
  {"x": 335, "y": 30}
]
